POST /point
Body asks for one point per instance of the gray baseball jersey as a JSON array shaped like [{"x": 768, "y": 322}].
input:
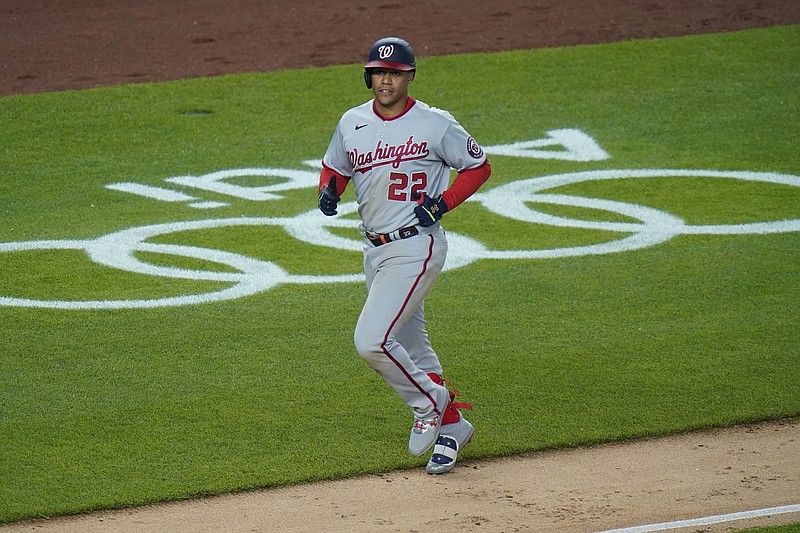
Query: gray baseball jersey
[{"x": 389, "y": 160}]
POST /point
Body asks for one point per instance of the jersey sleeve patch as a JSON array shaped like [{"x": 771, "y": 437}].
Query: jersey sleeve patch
[{"x": 474, "y": 149}]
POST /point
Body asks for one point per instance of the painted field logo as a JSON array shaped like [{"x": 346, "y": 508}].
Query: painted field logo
[{"x": 247, "y": 275}]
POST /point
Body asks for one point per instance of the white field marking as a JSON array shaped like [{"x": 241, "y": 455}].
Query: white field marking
[
  {"x": 560, "y": 144},
  {"x": 289, "y": 179},
  {"x": 577, "y": 146},
  {"x": 313, "y": 163},
  {"x": 148, "y": 191},
  {"x": 511, "y": 200},
  {"x": 708, "y": 520},
  {"x": 207, "y": 205}
]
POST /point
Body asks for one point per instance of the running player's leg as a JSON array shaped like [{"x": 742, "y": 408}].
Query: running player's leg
[
  {"x": 414, "y": 338},
  {"x": 402, "y": 274}
]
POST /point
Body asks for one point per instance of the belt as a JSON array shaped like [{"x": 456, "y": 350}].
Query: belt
[{"x": 379, "y": 239}]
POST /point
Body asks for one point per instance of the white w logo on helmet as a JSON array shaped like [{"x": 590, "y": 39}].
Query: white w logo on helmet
[{"x": 386, "y": 51}]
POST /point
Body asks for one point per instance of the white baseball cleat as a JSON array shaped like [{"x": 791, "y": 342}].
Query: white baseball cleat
[
  {"x": 426, "y": 428},
  {"x": 453, "y": 437}
]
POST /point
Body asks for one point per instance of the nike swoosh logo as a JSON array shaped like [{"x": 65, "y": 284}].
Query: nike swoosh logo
[{"x": 358, "y": 127}]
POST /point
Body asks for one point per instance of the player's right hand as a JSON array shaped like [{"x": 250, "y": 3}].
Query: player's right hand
[{"x": 328, "y": 199}]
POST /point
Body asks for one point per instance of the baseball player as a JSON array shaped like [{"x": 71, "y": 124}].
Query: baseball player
[{"x": 398, "y": 153}]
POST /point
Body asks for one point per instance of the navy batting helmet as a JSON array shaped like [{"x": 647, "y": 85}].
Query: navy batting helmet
[{"x": 392, "y": 53}]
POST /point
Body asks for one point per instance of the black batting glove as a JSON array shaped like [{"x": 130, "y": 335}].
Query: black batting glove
[
  {"x": 328, "y": 199},
  {"x": 428, "y": 210}
]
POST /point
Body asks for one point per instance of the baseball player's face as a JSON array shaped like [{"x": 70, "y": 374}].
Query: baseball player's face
[{"x": 390, "y": 88}]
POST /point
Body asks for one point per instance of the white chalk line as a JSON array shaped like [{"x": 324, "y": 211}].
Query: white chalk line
[{"x": 717, "y": 519}]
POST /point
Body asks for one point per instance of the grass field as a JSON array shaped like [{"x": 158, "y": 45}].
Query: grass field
[{"x": 205, "y": 357}]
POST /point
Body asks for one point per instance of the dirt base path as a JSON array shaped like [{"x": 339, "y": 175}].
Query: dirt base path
[
  {"x": 53, "y": 45},
  {"x": 582, "y": 490}
]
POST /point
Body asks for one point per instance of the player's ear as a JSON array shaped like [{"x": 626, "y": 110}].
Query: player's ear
[{"x": 412, "y": 75}]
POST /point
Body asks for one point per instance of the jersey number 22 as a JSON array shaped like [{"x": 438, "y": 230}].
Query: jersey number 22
[{"x": 403, "y": 188}]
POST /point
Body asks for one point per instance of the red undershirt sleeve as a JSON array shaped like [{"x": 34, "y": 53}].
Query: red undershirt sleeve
[
  {"x": 466, "y": 184},
  {"x": 325, "y": 178}
]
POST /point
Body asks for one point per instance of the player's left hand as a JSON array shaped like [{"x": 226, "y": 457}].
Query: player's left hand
[{"x": 429, "y": 210}]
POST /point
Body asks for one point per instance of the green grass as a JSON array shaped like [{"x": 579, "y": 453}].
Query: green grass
[
  {"x": 107, "y": 408},
  {"x": 789, "y": 528}
]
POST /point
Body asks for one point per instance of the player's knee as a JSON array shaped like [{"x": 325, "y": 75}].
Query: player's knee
[{"x": 368, "y": 345}]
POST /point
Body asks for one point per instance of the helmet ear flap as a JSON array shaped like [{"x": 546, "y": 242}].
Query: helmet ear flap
[{"x": 368, "y": 78}]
